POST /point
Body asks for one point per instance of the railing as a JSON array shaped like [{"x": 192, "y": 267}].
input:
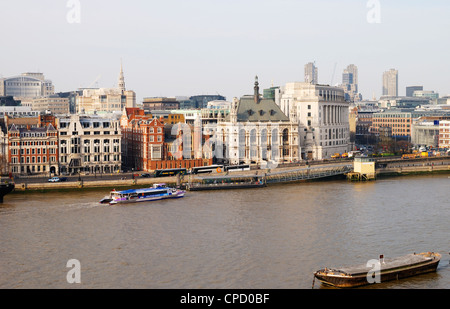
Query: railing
[{"x": 308, "y": 173}]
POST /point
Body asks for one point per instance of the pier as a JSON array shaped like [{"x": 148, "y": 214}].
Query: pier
[
  {"x": 398, "y": 166},
  {"x": 323, "y": 170},
  {"x": 308, "y": 173}
]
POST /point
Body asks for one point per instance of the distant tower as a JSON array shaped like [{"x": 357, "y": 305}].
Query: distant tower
[
  {"x": 121, "y": 79},
  {"x": 390, "y": 83},
  {"x": 256, "y": 92},
  {"x": 311, "y": 73}
]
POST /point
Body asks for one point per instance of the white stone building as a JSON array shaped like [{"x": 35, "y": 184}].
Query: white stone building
[
  {"x": 256, "y": 132},
  {"x": 89, "y": 144},
  {"x": 322, "y": 115}
]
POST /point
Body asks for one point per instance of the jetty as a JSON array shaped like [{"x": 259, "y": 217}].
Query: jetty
[{"x": 356, "y": 169}]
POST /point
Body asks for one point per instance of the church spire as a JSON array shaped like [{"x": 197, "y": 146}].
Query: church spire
[{"x": 121, "y": 78}]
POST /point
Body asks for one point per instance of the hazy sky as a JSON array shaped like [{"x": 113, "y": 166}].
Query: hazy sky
[{"x": 192, "y": 47}]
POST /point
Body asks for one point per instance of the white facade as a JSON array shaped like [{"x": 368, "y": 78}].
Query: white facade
[
  {"x": 89, "y": 144},
  {"x": 257, "y": 132},
  {"x": 444, "y": 134},
  {"x": 104, "y": 100},
  {"x": 26, "y": 86},
  {"x": 18, "y": 111},
  {"x": 323, "y": 118}
]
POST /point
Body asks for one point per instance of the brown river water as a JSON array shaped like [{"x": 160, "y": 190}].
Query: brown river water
[{"x": 269, "y": 238}]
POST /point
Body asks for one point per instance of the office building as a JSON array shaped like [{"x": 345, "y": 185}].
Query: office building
[
  {"x": 26, "y": 86},
  {"x": 350, "y": 83},
  {"x": 51, "y": 104},
  {"x": 201, "y": 101},
  {"x": 402, "y": 102},
  {"x": 426, "y": 94},
  {"x": 410, "y": 90},
  {"x": 322, "y": 114},
  {"x": 89, "y": 144},
  {"x": 311, "y": 73},
  {"x": 390, "y": 83},
  {"x": 164, "y": 104}
]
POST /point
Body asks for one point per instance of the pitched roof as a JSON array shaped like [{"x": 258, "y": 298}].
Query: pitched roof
[{"x": 264, "y": 110}]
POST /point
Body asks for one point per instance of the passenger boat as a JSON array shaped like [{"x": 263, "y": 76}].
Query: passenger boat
[
  {"x": 389, "y": 269},
  {"x": 157, "y": 192}
]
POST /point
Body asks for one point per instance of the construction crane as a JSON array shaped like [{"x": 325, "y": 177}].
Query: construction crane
[
  {"x": 95, "y": 81},
  {"x": 332, "y": 76}
]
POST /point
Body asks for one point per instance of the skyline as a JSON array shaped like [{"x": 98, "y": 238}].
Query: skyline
[{"x": 176, "y": 48}]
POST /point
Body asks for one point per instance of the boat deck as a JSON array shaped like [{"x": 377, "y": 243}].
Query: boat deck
[
  {"x": 389, "y": 263},
  {"x": 389, "y": 269}
]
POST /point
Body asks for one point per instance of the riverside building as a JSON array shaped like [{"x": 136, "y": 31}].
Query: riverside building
[
  {"x": 151, "y": 143},
  {"x": 322, "y": 114},
  {"x": 444, "y": 134},
  {"x": 33, "y": 150},
  {"x": 256, "y": 131},
  {"x": 89, "y": 144}
]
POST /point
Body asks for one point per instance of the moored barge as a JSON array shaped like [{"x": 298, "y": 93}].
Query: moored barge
[
  {"x": 6, "y": 188},
  {"x": 388, "y": 269}
]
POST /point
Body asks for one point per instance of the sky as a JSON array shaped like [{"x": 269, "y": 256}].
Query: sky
[{"x": 184, "y": 48}]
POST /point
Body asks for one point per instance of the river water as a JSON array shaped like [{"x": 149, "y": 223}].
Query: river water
[{"x": 270, "y": 238}]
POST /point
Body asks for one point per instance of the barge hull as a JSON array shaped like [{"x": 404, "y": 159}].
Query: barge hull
[{"x": 357, "y": 280}]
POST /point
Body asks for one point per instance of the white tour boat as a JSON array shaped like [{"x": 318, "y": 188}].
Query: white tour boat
[{"x": 157, "y": 192}]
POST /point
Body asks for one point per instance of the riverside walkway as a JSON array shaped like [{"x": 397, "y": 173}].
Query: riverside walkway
[{"x": 270, "y": 176}]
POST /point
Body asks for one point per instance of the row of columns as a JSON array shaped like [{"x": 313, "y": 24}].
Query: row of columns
[{"x": 334, "y": 114}]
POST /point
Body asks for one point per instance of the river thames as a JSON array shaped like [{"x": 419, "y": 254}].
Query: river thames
[{"x": 266, "y": 238}]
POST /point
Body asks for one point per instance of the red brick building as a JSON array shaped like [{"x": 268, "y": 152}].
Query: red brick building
[
  {"x": 33, "y": 150},
  {"x": 147, "y": 144}
]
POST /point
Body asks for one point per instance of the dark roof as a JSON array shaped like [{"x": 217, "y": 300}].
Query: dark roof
[{"x": 265, "y": 110}]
